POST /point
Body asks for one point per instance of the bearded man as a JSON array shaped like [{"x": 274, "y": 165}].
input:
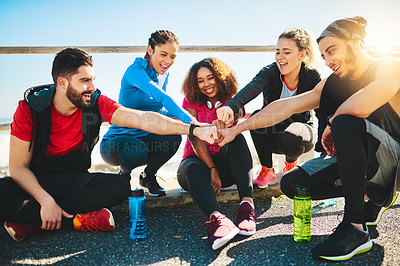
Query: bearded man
[{"x": 359, "y": 127}]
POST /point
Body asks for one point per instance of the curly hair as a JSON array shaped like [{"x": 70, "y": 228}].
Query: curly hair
[{"x": 224, "y": 77}]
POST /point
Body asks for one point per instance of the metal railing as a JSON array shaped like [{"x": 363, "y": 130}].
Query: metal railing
[{"x": 373, "y": 50}]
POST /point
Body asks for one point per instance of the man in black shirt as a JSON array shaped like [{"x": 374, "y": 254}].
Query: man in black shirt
[{"x": 359, "y": 129}]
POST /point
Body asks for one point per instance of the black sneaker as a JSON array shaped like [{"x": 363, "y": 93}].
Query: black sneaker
[
  {"x": 373, "y": 213},
  {"x": 345, "y": 242},
  {"x": 150, "y": 182}
]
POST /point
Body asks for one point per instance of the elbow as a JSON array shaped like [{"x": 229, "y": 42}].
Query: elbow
[{"x": 360, "y": 113}]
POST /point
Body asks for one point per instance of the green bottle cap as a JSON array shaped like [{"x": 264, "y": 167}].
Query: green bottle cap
[{"x": 301, "y": 191}]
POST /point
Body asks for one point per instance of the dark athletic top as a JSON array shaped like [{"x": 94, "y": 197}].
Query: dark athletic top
[{"x": 337, "y": 90}]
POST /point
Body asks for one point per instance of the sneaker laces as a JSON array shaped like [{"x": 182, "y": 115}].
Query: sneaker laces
[
  {"x": 152, "y": 180},
  {"x": 88, "y": 223},
  {"x": 289, "y": 166},
  {"x": 263, "y": 172},
  {"x": 213, "y": 224},
  {"x": 339, "y": 231},
  {"x": 245, "y": 214}
]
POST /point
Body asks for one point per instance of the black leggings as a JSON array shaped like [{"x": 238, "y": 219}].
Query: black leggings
[
  {"x": 74, "y": 192},
  {"x": 234, "y": 164},
  {"x": 130, "y": 152},
  {"x": 292, "y": 141},
  {"x": 354, "y": 164}
]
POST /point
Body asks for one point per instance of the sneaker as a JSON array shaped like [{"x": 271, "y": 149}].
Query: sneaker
[
  {"x": 246, "y": 219},
  {"x": 265, "y": 177},
  {"x": 345, "y": 242},
  {"x": 220, "y": 230},
  {"x": 152, "y": 186},
  {"x": 19, "y": 231},
  {"x": 289, "y": 166},
  {"x": 93, "y": 221},
  {"x": 373, "y": 213}
]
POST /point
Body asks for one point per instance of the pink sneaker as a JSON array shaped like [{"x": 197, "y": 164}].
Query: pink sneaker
[
  {"x": 220, "y": 230},
  {"x": 265, "y": 177},
  {"x": 19, "y": 231},
  {"x": 289, "y": 166},
  {"x": 246, "y": 219}
]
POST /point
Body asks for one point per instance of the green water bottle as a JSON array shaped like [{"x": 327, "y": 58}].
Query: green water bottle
[{"x": 302, "y": 214}]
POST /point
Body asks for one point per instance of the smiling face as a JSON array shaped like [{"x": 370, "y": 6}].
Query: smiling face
[
  {"x": 288, "y": 57},
  {"x": 339, "y": 56},
  {"x": 207, "y": 83},
  {"x": 81, "y": 86},
  {"x": 162, "y": 57}
]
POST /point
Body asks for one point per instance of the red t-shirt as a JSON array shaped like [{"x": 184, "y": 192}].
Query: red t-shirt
[{"x": 66, "y": 131}]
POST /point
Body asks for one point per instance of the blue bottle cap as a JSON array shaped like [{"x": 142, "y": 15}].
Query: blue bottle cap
[
  {"x": 301, "y": 191},
  {"x": 137, "y": 193}
]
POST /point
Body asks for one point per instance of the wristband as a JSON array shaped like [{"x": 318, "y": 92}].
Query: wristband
[
  {"x": 212, "y": 167},
  {"x": 328, "y": 122},
  {"x": 191, "y": 129}
]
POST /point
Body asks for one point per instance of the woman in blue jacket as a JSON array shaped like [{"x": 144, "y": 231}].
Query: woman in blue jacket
[
  {"x": 291, "y": 74},
  {"x": 143, "y": 87}
]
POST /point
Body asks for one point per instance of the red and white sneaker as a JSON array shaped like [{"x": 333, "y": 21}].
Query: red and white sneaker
[
  {"x": 265, "y": 178},
  {"x": 246, "y": 219},
  {"x": 220, "y": 230},
  {"x": 19, "y": 231},
  {"x": 289, "y": 166},
  {"x": 93, "y": 221}
]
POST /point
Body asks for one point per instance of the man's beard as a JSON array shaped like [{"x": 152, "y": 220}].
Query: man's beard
[
  {"x": 77, "y": 98},
  {"x": 350, "y": 60}
]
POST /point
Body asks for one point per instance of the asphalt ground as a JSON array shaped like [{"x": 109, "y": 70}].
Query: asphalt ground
[{"x": 176, "y": 237}]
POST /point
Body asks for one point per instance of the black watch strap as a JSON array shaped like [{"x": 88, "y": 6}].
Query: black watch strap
[
  {"x": 191, "y": 129},
  {"x": 328, "y": 122}
]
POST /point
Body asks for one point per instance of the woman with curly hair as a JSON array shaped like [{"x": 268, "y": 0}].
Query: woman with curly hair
[
  {"x": 291, "y": 74},
  {"x": 143, "y": 87},
  {"x": 206, "y": 168}
]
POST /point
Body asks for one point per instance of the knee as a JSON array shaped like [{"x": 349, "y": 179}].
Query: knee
[
  {"x": 295, "y": 177},
  {"x": 346, "y": 125},
  {"x": 286, "y": 185},
  {"x": 190, "y": 175},
  {"x": 291, "y": 145}
]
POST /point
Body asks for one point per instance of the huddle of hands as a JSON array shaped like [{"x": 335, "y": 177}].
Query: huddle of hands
[{"x": 219, "y": 130}]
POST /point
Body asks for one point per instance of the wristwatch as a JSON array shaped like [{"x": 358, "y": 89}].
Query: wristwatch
[
  {"x": 328, "y": 122},
  {"x": 191, "y": 129}
]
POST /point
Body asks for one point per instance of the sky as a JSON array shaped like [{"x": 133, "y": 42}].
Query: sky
[{"x": 130, "y": 22}]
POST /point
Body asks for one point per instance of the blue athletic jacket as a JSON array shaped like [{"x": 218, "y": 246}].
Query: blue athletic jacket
[{"x": 143, "y": 89}]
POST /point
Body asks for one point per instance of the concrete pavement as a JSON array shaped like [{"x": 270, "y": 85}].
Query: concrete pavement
[{"x": 176, "y": 237}]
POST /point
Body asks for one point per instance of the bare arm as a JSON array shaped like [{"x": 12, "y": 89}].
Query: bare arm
[
  {"x": 282, "y": 109},
  {"x": 276, "y": 112},
  {"x": 159, "y": 124},
  {"x": 201, "y": 151},
  {"x": 20, "y": 157},
  {"x": 364, "y": 102},
  {"x": 382, "y": 90}
]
